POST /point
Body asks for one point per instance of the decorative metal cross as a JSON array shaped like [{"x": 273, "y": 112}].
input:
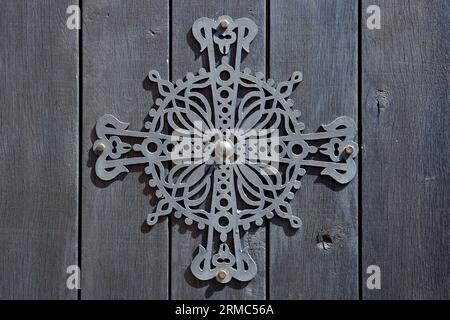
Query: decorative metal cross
[{"x": 224, "y": 149}]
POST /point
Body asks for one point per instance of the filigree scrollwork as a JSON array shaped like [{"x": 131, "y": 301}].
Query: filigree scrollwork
[{"x": 225, "y": 149}]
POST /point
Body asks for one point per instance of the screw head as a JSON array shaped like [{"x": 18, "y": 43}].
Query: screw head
[
  {"x": 224, "y": 23},
  {"x": 223, "y": 276},
  {"x": 348, "y": 150},
  {"x": 99, "y": 147}
]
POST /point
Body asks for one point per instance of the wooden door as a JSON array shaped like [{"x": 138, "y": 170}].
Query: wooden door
[{"x": 57, "y": 81}]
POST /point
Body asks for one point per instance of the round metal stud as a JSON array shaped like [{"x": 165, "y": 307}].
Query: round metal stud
[
  {"x": 224, "y": 149},
  {"x": 223, "y": 276},
  {"x": 224, "y": 23},
  {"x": 348, "y": 150},
  {"x": 99, "y": 148}
]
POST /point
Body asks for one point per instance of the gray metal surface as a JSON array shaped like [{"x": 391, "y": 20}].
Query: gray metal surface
[{"x": 210, "y": 107}]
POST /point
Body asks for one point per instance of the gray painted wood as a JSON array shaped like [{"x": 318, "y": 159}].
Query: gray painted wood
[
  {"x": 122, "y": 258},
  {"x": 38, "y": 150},
  {"x": 405, "y": 169},
  {"x": 405, "y": 164},
  {"x": 318, "y": 38},
  {"x": 185, "y": 240}
]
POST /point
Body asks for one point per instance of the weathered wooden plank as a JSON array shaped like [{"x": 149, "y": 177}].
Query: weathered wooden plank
[
  {"x": 38, "y": 150},
  {"x": 318, "y": 38},
  {"x": 406, "y": 173},
  {"x": 121, "y": 256},
  {"x": 185, "y": 240}
]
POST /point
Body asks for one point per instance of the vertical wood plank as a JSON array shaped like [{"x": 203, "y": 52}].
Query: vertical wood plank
[
  {"x": 185, "y": 240},
  {"x": 318, "y": 38},
  {"x": 122, "y": 258},
  {"x": 406, "y": 172},
  {"x": 38, "y": 149}
]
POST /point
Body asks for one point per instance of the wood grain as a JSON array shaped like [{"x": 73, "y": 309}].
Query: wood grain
[
  {"x": 185, "y": 240},
  {"x": 405, "y": 164},
  {"x": 122, "y": 258},
  {"x": 405, "y": 149},
  {"x": 38, "y": 149},
  {"x": 318, "y": 38}
]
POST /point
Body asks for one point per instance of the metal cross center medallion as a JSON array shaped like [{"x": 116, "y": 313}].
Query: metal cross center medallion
[{"x": 225, "y": 149}]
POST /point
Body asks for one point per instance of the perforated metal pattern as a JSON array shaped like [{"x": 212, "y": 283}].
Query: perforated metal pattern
[{"x": 225, "y": 149}]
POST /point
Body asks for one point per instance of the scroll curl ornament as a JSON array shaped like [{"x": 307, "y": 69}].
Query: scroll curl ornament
[{"x": 225, "y": 149}]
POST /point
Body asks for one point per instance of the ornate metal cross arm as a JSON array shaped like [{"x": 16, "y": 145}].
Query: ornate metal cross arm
[
  {"x": 236, "y": 151},
  {"x": 112, "y": 151},
  {"x": 338, "y": 146}
]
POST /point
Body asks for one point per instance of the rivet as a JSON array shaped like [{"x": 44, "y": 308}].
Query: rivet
[
  {"x": 99, "y": 148},
  {"x": 222, "y": 276},
  {"x": 348, "y": 150},
  {"x": 224, "y": 23}
]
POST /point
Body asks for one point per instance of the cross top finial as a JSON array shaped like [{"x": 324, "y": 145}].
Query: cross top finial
[{"x": 221, "y": 34}]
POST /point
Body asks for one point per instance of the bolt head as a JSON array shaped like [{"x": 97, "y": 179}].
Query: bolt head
[
  {"x": 224, "y": 149},
  {"x": 99, "y": 147},
  {"x": 223, "y": 276},
  {"x": 348, "y": 150},
  {"x": 224, "y": 23}
]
